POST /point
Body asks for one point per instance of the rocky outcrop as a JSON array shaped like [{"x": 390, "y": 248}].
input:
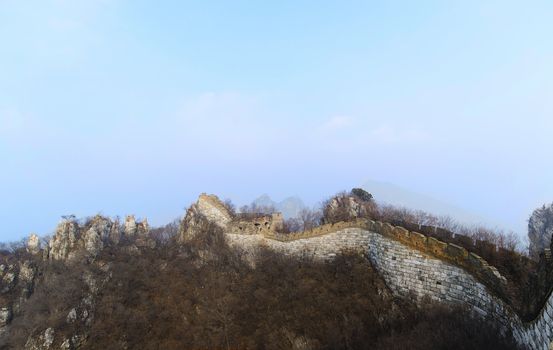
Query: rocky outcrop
[
  {"x": 33, "y": 244},
  {"x": 8, "y": 278},
  {"x": 213, "y": 209},
  {"x": 74, "y": 242},
  {"x": 540, "y": 230},
  {"x": 71, "y": 239},
  {"x": 346, "y": 207},
  {"x": 130, "y": 226},
  {"x": 17, "y": 278},
  {"x": 143, "y": 228},
  {"x": 74, "y": 333},
  {"x": 43, "y": 341},
  {"x": 208, "y": 209},
  {"x": 92, "y": 241},
  {"x": 17, "y": 281},
  {"x": 5, "y": 316},
  {"x": 115, "y": 232},
  {"x": 64, "y": 240}
]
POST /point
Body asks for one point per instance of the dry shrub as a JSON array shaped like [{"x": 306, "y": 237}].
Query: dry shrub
[{"x": 205, "y": 296}]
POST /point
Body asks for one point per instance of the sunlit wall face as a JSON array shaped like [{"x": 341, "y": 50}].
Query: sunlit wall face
[{"x": 122, "y": 107}]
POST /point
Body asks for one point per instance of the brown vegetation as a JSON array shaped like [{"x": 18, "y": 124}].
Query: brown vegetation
[{"x": 204, "y": 295}]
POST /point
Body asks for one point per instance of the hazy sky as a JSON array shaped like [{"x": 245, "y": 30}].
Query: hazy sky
[{"x": 120, "y": 107}]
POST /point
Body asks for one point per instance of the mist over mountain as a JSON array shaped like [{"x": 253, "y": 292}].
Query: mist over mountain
[
  {"x": 388, "y": 193},
  {"x": 289, "y": 207},
  {"x": 276, "y": 175}
]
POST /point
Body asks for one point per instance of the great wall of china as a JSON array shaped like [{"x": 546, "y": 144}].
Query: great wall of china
[{"x": 411, "y": 263}]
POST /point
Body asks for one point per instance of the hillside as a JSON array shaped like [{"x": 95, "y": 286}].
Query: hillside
[{"x": 243, "y": 281}]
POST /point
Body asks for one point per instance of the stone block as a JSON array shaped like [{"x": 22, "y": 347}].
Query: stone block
[
  {"x": 464, "y": 241},
  {"x": 387, "y": 229},
  {"x": 370, "y": 225},
  {"x": 476, "y": 261},
  {"x": 400, "y": 233},
  {"x": 419, "y": 240},
  {"x": 428, "y": 230},
  {"x": 486, "y": 248},
  {"x": 436, "y": 247},
  {"x": 457, "y": 253},
  {"x": 443, "y": 234}
]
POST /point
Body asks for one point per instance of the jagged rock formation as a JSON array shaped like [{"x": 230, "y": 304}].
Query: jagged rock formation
[
  {"x": 43, "y": 341},
  {"x": 208, "y": 209},
  {"x": 33, "y": 244},
  {"x": 72, "y": 243},
  {"x": 130, "y": 226},
  {"x": 143, "y": 227},
  {"x": 540, "y": 230},
  {"x": 346, "y": 207},
  {"x": 65, "y": 237},
  {"x": 212, "y": 209},
  {"x": 70, "y": 239},
  {"x": 16, "y": 285}
]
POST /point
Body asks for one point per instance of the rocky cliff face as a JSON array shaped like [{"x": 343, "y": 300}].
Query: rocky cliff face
[
  {"x": 346, "y": 207},
  {"x": 540, "y": 230},
  {"x": 72, "y": 244},
  {"x": 208, "y": 209},
  {"x": 72, "y": 240},
  {"x": 17, "y": 279},
  {"x": 63, "y": 241}
]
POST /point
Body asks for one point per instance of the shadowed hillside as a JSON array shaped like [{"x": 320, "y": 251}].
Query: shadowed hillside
[{"x": 205, "y": 295}]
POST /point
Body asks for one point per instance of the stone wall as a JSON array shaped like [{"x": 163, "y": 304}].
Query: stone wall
[
  {"x": 416, "y": 266},
  {"x": 452, "y": 253},
  {"x": 262, "y": 224}
]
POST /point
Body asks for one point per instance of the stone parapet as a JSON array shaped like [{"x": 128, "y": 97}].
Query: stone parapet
[{"x": 414, "y": 265}]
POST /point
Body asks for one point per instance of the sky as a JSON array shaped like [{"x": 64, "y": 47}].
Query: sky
[{"x": 120, "y": 106}]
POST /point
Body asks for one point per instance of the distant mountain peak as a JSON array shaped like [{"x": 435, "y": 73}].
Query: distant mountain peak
[{"x": 289, "y": 207}]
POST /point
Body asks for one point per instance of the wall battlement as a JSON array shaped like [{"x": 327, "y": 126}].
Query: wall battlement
[
  {"x": 411, "y": 263},
  {"x": 260, "y": 224},
  {"x": 449, "y": 252},
  {"x": 414, "y": 264}
]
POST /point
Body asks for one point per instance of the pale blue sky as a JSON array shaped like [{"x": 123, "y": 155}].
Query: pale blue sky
[{"x": 120, "y": 107}]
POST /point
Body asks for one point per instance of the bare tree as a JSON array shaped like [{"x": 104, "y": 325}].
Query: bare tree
[{"x": 309, "y": 218}]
